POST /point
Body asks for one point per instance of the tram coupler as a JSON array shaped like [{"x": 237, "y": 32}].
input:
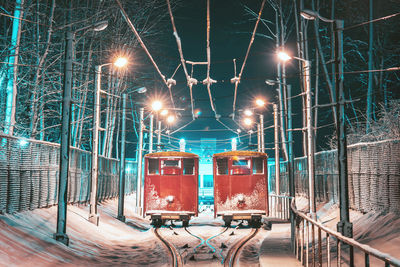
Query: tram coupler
[
  {"x": 156, "y": 220},
  {"x": 185, "y": 219},
  {"x": 255, "y": 220}
]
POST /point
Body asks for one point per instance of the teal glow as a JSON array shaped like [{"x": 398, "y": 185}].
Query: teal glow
[{"x": 23, "y": 143}]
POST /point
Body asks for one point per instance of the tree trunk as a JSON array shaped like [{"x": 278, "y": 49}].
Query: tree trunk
[
  {"x": 39, "y": 73},
  {"x": 12, "y": 76},
  {"x": 370, "y": 67}
]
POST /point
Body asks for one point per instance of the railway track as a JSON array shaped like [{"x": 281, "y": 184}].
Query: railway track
[
  {"x": 231, "y": 258},
  {"x": 233, "y": 252},
  {"x": 177, "y": 260}
]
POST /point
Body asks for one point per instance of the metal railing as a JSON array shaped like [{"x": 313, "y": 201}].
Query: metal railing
[
  {"x": 312, "y": 248},
  {"x": 279, "y": 207}
]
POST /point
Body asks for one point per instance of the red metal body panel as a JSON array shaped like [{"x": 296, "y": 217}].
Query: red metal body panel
[
  {"x": 170, "y": 189},
  {"x": 241, "y": 189}
]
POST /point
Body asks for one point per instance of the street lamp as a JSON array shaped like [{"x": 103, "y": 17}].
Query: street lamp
[
  {"x": 248, "y": 112},
  {"x": 61, "y": 235},
  {"x": 171, "y": 119},
  {"x": 260, "y": 102},
  {"x": 344, "y": 226},
  {"x": 93, "y": 215},
  {"x": 156, "y": 105},
  {"x": 310, "y": 132}
]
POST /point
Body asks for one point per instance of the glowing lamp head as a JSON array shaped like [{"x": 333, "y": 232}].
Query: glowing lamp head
[
  {"x": 156, "y": 105},
  {"x": 120, "y": 62},
  {"x": 248, "y": 112},
  {"x": 248, "y": 121},
  {"x": 164, "y": 112},
  {"x": 170, "y": 119},
  {"x": 260, "y": 102},
  {"x": 283, "y": 56}
]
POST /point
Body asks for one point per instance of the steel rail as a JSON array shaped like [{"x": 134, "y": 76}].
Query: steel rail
[
  {"x": 177, "y": 260},
  {"x": 233, "y": 252}
]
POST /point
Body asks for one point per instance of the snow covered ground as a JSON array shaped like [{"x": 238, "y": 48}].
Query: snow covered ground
[{"x": 26, "y": 238}]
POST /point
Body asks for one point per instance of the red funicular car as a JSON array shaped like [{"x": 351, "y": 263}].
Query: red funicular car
[
  {"x": 240, "y": 186},
  {"x": 171, "y": 186}
]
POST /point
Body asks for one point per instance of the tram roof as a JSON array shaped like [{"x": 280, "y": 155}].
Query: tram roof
[
  {"x": 172, "y": 154},
  {"x": 241, "y": 153}
]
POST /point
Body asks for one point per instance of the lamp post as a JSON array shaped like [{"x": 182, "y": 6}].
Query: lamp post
[
  {"x": 310, "y": 132},
  {"x": 290, "y": 150},
  {"x": 61, "y": 235},
  {"x": 344, "y": 226},
  {"x": 121, "y": 195},
  {"x": 139, "y": 165},
  {"x": 93, "y": 215}
]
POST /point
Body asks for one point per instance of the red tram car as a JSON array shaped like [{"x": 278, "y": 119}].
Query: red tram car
[
  {"x": 240, "y": 186},
  {"x": 171, "y": 186}
]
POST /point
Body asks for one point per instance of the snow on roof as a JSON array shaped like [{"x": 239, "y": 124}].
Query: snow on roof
[
  {"x": 241, "y": 153},
  {"x": 171, "y": 154}
]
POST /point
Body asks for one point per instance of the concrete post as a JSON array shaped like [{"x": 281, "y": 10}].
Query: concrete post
[
  {"x": 61, "y": 235},
  {"x": 93, "y": 215},
  {"x": 310, "y": 137},
  {"x": 277, "y": 161},
  {"x": 139, "y": 207},
  {"x": 121, "y": 195},
  {"x": 151, "y": 133}
]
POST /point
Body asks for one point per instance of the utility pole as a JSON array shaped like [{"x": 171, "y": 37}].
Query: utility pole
[
  {"x": 159, "y": 136},
  {"x": 262, "y": 133},
  {"x": 139, "y": 165},
  {"x": 151, "y": 133},
  {"x": 277, "y": 161},
  {"x": 290, "y": 161},
  {"x": 121, "y": 197},
  {"x": 258, "y": 138},
  {"x": 93, "y": 215},
  {"x": 61, "y": 235},
  {"x": 344, "y": 226},
  {"x": 310, "y": 137}
]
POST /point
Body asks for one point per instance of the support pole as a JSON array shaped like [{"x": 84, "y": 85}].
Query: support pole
[
  {"x": 344, "y": 226},
  {"x": 262, "y": 133},
  {"x": 310, "y": 137},
  {"x": 61, "y": 235},
  {"x": 93, "y": 215},
  {"x": 277, "y": 161},
  {"x": 159, "y": 136},
  {"x": 290, "y": 162},
  {"x": 139, "y": 166},
  {"x": 121, "y": 197},
  {"x": 258, "y": 137},
  {"x": 151, "y": 133}
]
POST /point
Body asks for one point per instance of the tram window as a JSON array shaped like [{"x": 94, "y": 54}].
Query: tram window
[
  {"x": 188, "y": 166},
  {"x": 153, "y": 166},
  {"x": 170, "y": 163},
  {"x": 240, "y": 162},
  {"x": 222, "y": 166},
  {"x": 258, "y": 165}
]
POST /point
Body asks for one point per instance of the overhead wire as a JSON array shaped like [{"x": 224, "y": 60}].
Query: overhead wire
[
  {"x": 130, "y": 24},
  {"x": 190, "y": 81},
  {"x": 236, "y": 80}
]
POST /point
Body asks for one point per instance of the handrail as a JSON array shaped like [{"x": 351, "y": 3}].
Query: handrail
[{"x": 387, "y": 258}]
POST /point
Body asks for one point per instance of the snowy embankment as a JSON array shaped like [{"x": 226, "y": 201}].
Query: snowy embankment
[{"x": 26, "y": 239}]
